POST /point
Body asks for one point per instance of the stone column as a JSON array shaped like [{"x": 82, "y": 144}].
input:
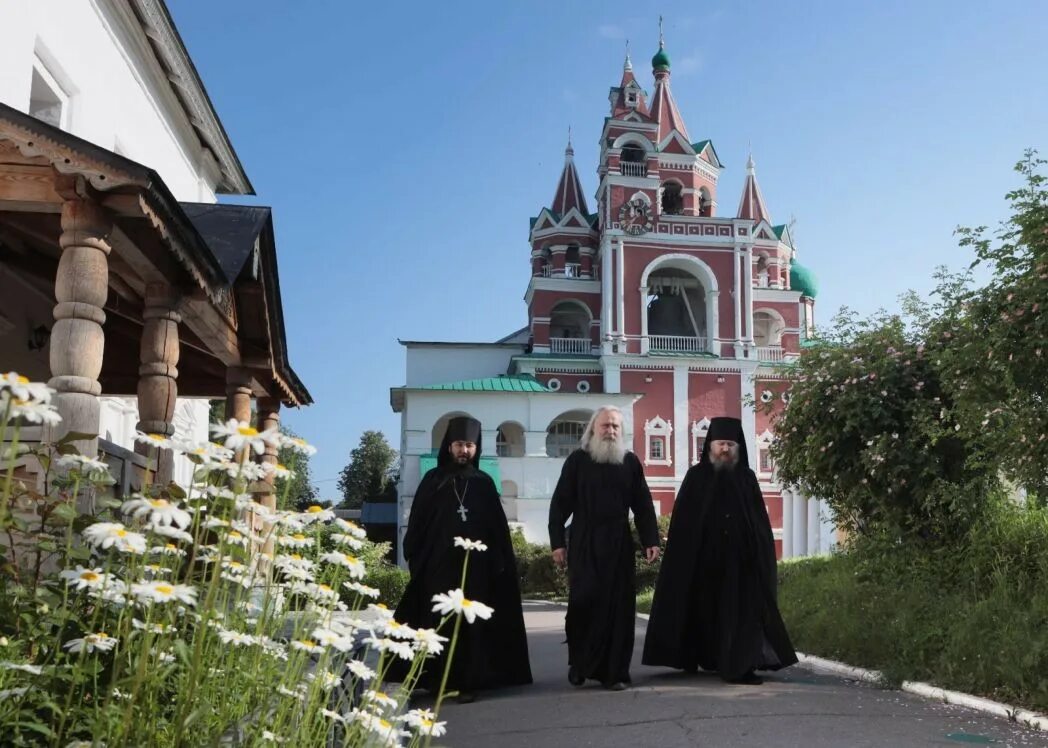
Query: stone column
[
  {"x": 238, "y": 394},
  {"x": 558, "y": 257},
  {"x": 157, "y": 372},
  {"x": 77, "y": 338},
  {"x": 800, "y": 524},
  {"x": 813, "y": 527},
  {"x": 787, "y": 523},
  {"x": 747, "y": 283}
]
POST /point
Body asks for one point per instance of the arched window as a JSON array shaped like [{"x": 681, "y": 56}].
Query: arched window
[
  {"x": 564, "y": 434},
  {"x": 509, "y": 440},
  {"x": 572, "y": 265},
  {"x": 672, "y": 199},
  {"x": 632, "y": 154}
]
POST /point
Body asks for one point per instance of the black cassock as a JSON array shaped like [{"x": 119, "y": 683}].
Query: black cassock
[
  {"x": 490, "y": 653},
  {"x": 715, "y": 602},
  {"x": 601, "y": 614}
]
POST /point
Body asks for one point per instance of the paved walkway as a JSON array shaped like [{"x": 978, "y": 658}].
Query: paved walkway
[{"x": 668, "y": 709}]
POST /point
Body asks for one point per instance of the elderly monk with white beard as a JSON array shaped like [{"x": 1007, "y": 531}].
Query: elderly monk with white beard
[
  {"x": 599, "y": 485},
  {"x": 715, "y": 601}
]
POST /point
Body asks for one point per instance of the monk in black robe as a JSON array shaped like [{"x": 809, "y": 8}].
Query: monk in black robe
[
  {"x": 456, "y": 499},
  {"x": 598, "y": 487},
  {"x": 715, "y": 603}
]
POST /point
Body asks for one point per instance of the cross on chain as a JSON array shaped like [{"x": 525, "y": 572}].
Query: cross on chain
[{"x": 462, "y": 511}]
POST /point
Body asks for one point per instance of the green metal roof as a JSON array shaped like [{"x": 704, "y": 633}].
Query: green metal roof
[
  {"x": 661, "y": 60},
  {"x": 502, "y": 383},
  {"x": 802, "y": 279}
]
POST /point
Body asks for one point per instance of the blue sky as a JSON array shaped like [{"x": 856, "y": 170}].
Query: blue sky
[{"x": 404, "y": 146}]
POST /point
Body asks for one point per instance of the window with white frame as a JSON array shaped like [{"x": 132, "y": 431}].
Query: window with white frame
[
  {"x": 47, "y": 101},
  {"x": 699, "y": 429},
  {"x": 765, "y": 463},
  {"x": 657, "y": 441}
]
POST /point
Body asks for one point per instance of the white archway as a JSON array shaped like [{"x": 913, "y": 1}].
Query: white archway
[{"x": 703, "y": 273}]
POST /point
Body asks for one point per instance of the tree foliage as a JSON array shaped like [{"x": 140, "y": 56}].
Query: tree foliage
[
  {"x": 370, "y": 471},
  {"x": 907, "y": 423}
]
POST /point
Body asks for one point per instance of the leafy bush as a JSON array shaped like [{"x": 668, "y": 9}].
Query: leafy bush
[
  {"x": 537, "y": 574},
  {"x": 969, "y": 617}
]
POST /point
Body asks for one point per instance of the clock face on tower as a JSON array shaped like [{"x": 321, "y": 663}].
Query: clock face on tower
[{"x": 635, "y": 216}]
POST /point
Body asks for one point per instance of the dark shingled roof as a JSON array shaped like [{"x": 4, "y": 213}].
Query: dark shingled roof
[{"x": 230, "y": 231}]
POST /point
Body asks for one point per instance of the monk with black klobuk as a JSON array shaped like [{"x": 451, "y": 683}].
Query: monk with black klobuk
[
  {"x": 715, "y": 601},
  {"x": 456, "y": 499}
]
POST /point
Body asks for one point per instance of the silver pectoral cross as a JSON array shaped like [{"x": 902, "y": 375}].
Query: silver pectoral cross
[{"x": 462, "y": 511}]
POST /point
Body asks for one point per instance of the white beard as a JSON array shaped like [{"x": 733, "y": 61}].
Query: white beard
[{"x": 610, "y": 452}]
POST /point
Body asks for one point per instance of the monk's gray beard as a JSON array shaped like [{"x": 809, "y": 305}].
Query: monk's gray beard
[
  {"x": 613, "y": 452},
  {"x": 726, "y": 463}
]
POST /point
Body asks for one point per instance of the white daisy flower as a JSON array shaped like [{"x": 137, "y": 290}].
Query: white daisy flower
[
  {"x": 429, "y": 641},
  {"x": 155, "y": 570},
  {"x": 416, "y": 715},
  {"x": 381, "y": 611},
  {"x": 327, "y": 680},
  {"x": 348, "y": 540},
  {"x": 100, "y": 641},
  {"x": 272, "y": 737},
  {"x": 21, "y": 388},
  {"x": 346, "y": 561},
  {"x": 397, "y": 630},
  {"x": 329, "y": 638},
  {"x": 161, "y": 441},
  {"x": 429, "y": 727},
  {"x": 402, "y": 650},
  {"x": 155, "y": 628},
  {"x": 316, "y": 513},
  {"x": 333, "y": 715},
  {"x": 298, "y": 540},
  {"x": 29, "y": 411},
  {"x": 235, "y": 538},
  {"x": 307, "y": 645},
  {"x": 85, "y": 578},
  {"x": 299, "y": 692},
  {"x": 170, "y": 549},
  {"x": 289, "y": 520},
  {"x": 277, "y": 470},
  {"x": 105, "y": 535},
  {"x": 470, "y": 545},
  {"x": 360, "y": 670},
  {"x": 455, "y": 602},
  {"x": 352, "y": 528},
  {"x": 380, "y": 698},
  {"x": 298, "y": 444},
  {"x": 205, "y": 453},
  {"x": 82, "y": 464},
  {"x": 170, "y": 531},
  {"x": 236, "y": 638},
  {"x": 163, "y": 592},
  {"x": 362, "y": 589},
  {"x": 165, "y": 658},
  {"x": 237, "y": 435},
  {"x": 156, "y": 511}
]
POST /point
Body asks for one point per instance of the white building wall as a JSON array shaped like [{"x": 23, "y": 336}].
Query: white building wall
[
  {"x": 118, "y": 96},
  {"x": 440, "y": 364},
  {"x": 534, "y": 474}
]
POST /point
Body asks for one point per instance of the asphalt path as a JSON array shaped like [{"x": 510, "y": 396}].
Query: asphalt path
[{"x": 670, "y": 709}]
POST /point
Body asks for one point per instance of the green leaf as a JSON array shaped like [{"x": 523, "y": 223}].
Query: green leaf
[
  {"x": 75, "y": 436},
  {"x": 66, "y": 511}
]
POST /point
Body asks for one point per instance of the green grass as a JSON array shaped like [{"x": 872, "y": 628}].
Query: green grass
[{"x": 971, "y": 618}]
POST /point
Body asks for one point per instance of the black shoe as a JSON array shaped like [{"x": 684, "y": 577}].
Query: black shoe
[
  {"x": 466, "y": 697},
  {"x": 574, "y": 678},
  {"x": 748, "y": 679},
  {"x": 617, "y": 686}
]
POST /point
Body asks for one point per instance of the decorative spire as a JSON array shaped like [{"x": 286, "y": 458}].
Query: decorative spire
[
  {"x": 627, "y": 66},
  {"x": 752, "y": 204},
  {"x": 662, "y": 42},
  {"x": 569, "y": 188}
]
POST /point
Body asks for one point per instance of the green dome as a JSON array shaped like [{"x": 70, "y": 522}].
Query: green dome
[
  {"x": 661, "y": 60},
  {"x": 803, "y": 280}
]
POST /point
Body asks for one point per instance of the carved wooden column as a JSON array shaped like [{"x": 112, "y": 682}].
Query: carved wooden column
[
  {"x": 77, "y": 339},
  {"x": 157, "y": 372},
  {"x": 268, "y": 418},
  {"x": 238, "y": 394}
]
